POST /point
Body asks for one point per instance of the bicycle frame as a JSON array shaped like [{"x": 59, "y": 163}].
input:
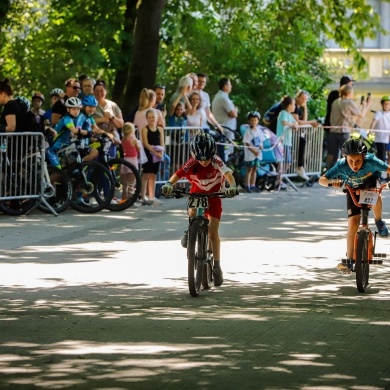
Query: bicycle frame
[
  {"x": 200, "y": 260},
  {"x": 364, "y": 211},
  {"x": 365, "y": 239}
]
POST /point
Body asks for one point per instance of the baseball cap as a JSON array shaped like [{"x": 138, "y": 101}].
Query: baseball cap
[{"x": 345, "y": 80}]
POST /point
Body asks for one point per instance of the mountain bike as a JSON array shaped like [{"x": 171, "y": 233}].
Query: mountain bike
[
  {"x": 365, "y": 239},
  {"x": 126, "y": 176},
  {"x": 199, "y": 252},
  {"x": 93, "y": 184}
]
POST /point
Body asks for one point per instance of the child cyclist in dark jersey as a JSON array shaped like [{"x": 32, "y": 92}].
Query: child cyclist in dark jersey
[
  {"x": 207, "y": 174},
  {"x": 358, "y": 169}
]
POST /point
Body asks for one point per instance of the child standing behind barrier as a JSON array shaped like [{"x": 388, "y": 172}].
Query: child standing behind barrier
[
  {"x": 152, "y": 138},
  {"x": 253, "y": 142},
  {"x": 131, "y": 149},
  {"x": 286, "y": 124},
  {"x": 381, "y": 121}
]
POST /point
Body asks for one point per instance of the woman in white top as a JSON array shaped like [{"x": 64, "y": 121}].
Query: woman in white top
[{"x": 195, "y": 115}]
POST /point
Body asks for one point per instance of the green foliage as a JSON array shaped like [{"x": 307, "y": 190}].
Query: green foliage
[{"x": 267, "y": 48}]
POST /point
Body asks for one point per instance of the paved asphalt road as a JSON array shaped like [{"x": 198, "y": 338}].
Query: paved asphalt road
[{"x": 101, "y": 301}]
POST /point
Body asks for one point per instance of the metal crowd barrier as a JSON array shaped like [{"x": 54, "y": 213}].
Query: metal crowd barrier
[
  {"x": 307, "y": 140},
  {"x": 177, "y": 152},
  {"x": 21, "y": 173}
]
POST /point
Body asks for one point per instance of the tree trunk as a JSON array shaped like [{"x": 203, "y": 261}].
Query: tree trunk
[
  {"x": 123, "y": 70},
  {"x": 144, "y": 58}
]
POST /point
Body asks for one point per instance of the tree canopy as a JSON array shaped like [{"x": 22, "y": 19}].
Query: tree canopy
[{"x": 267, "y": 48}]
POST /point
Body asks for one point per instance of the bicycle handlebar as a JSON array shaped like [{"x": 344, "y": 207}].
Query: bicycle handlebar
[
  {"x": 354, "y": 191},
  {"x": 182, "y": 192}
]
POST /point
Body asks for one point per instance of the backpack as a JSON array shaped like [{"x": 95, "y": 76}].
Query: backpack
[
  {"x": 270, "y": 118},
  {"x": 35, "y": 123}
]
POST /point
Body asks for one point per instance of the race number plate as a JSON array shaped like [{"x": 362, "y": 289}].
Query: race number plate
[
  {"x": 198, "y": 203},
  {"x": 368, "y": 197}
]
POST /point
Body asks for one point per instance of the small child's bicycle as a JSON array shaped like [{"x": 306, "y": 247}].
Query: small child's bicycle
[
  {"x": 365, "y": 239},
  {"x": 199, "y": 252}
]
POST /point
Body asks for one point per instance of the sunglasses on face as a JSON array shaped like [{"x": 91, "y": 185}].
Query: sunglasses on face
[{"x": 76, "y": 88}]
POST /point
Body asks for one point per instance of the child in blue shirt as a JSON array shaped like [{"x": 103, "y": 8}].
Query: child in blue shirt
[{"x": 358, "y": 169}]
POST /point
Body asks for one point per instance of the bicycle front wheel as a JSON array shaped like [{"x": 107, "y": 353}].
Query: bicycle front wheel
[
  {"x": 62, "y": 191},
  {"x": 362, "y": 267},
  {"x": 127, "y": 181},
  {"x": 196, "y": 250},
  {"x": 93, "y": 186}
]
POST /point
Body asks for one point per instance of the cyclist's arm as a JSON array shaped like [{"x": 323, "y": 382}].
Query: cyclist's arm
[
  {"x": 230, "y": 178},
  {"x": 324, "y": 181},
  {"x": 174, "y": 179}
]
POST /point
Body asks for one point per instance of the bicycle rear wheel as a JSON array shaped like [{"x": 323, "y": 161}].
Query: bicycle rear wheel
[
  {"x": 93, "y": 186},
  {"x": 63, "y": 191},
  {"x": 196, "y": 250},
  {"x": 362, "y": 267},
  {"x": 127, "y": 181}
]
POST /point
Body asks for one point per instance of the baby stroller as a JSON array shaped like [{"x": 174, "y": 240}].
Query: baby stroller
[{"x": 267, "y": 174}]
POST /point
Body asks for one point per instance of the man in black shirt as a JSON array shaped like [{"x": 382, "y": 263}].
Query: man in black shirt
[{"x": 72, "y": 89}]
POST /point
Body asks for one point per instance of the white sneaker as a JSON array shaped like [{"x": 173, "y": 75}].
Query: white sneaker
[
  {"x": 301, "y": 173},
  {"x": 157, "y": 202}
]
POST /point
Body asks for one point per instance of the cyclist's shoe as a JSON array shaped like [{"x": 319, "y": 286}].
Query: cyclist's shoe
[
  {"x": 345, "y": 268},
  {"x": 83, "y": 202},
  {"x": 184, "y": 240},
  {"x": 217, "y": 275},
  {"x": 382, "y": 228}
]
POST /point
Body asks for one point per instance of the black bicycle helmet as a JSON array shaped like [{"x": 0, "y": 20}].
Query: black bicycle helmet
[
  {"x": 353, "y": 146},
  {"x": 253, "y": 114},
  {"x": 202, "y": 147}
]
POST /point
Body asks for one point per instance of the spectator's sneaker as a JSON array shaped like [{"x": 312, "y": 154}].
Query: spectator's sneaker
[
  {"x": 283, "y": 186},
  {"x": 301, "y": 173},
  {"x": 147, "y": 202},
  {"x": 184, "y": 240},
  {"x": 255, "y": 189},
  {"x": 345, "y": 268},
  {"x": 217, "y": 275},
  {"x": 248, "y": 190},
  {"x": 382, "y": 228}
]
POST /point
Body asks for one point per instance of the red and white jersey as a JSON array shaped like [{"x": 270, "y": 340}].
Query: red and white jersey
[{"x": 205, "y": 179}]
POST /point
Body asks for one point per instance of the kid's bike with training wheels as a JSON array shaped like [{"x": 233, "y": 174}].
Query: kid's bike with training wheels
[
  {"x": 365, "y": 239},
  {"x": 199, "y": 251}
]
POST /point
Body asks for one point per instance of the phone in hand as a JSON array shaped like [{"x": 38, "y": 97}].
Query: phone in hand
[
  {"x": 362, "y": 100},
  {"x": 368, "y": 96}
]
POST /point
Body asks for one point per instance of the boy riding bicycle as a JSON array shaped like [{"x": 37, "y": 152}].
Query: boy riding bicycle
[
  {"x": 207, "y": 174},
  {"x": 358, "y": 169}
]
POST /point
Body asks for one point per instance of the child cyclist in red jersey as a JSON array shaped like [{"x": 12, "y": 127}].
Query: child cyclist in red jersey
[
  {"x": 358, "y": 169},
  {"x": 207, "y": 174}
]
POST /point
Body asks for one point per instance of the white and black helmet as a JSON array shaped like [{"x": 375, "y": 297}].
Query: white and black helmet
[
  {"x": 73, "y": 102},
  {"x": 202, "y": 147},
  {"x": 56, "y": 92}
]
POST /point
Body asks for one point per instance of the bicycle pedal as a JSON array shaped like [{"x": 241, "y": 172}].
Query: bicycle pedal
[
  {"x": 383, "y": 255},
  {"x": 376, "y": 262},
  {"x": 348, "y": 261}
]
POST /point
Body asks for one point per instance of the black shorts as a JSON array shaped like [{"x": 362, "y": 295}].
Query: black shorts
[{"x": 352, "y": 209}]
